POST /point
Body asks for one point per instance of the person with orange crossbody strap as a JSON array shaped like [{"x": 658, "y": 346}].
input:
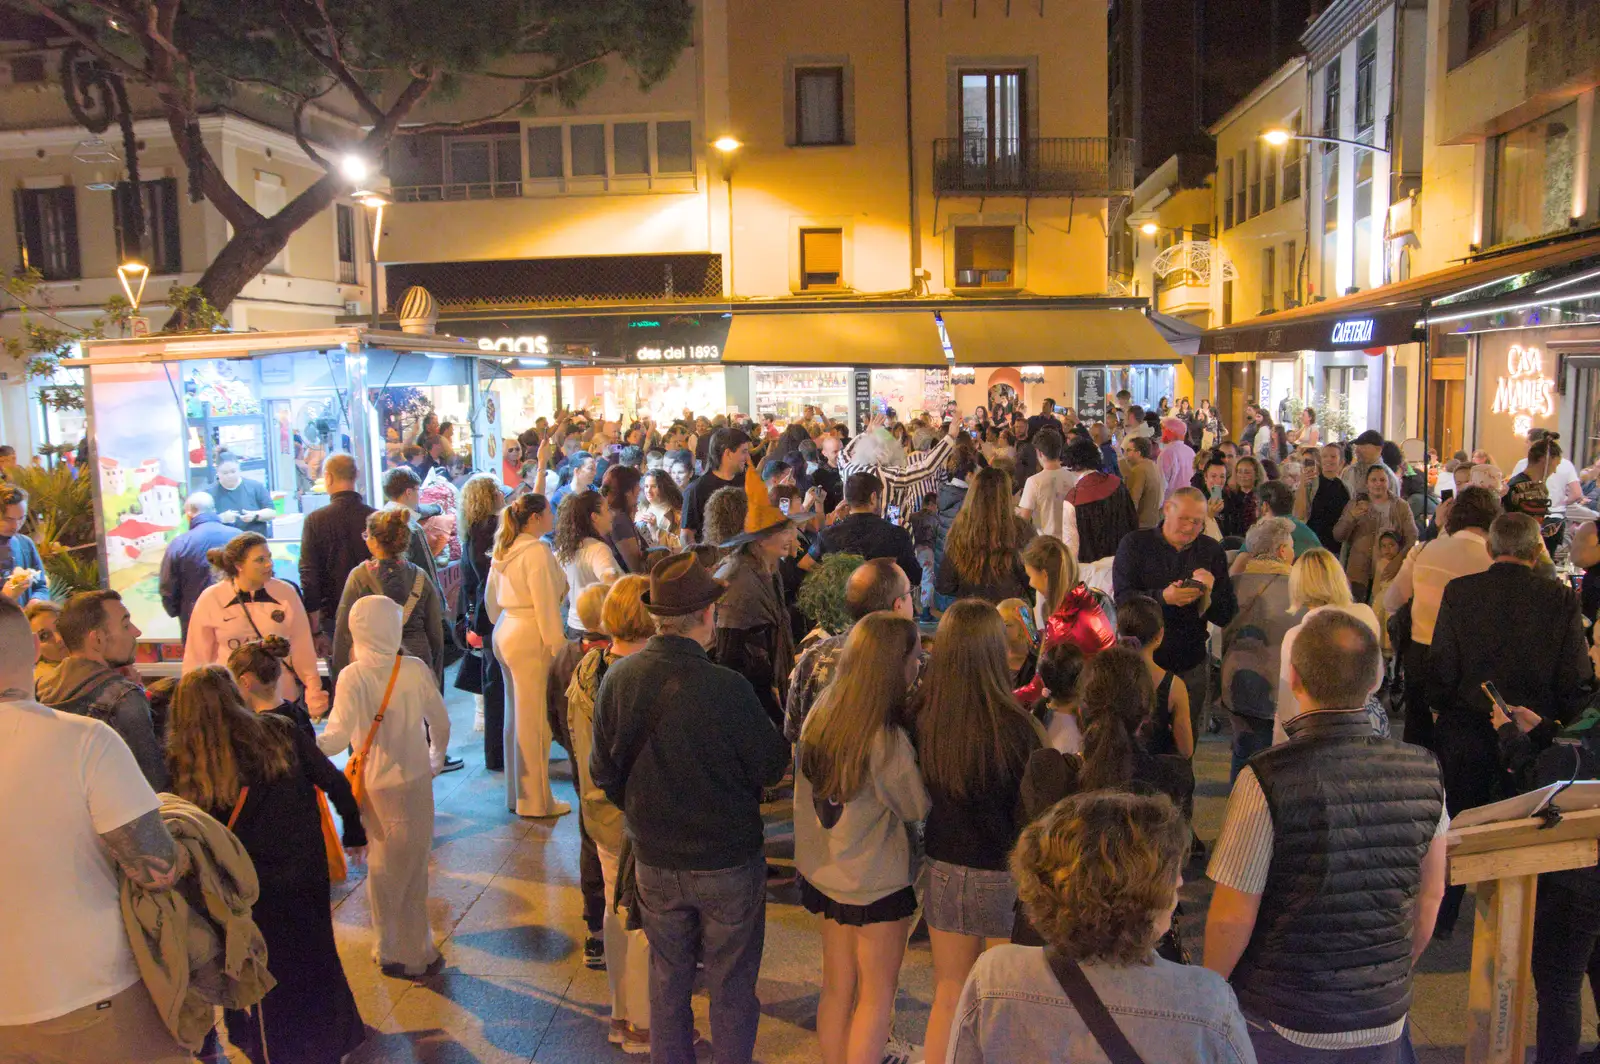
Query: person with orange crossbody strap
[{"x": 388, "y": 704}]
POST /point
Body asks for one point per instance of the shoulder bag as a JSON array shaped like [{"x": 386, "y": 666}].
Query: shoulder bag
[
  {"x": 1092, "y": 1010},
  {"x": 355, "y": 769}
]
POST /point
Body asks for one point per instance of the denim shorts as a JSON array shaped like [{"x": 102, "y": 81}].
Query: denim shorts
[{"x": 969, "y": 901}]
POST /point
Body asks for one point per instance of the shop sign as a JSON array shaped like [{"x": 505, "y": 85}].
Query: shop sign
[
  {"x": 1524, "y": 392},
  {"x": 1091, "y": 394},
  {"x": 677, "y": 353},
  {"x": 529, "y": 345},
  {"x": 1355, "y": 332},
  {"x": 862, "y": 396}
]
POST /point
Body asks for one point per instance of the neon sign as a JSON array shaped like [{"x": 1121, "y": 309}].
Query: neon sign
[
  {"x": 1357, "y": 331},
  {"x": 1524, "y": 392},
  {"x": 530, "y": 345},
  {"x": 679, "y": 353}
]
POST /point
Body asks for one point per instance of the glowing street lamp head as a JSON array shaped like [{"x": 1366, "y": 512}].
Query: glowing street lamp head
[
  {"x": 727, "y": 145},
  {"x": 354, "y": 167},
  {"x": 1149, "y": 228},
  {"x": 370, "y": 198},
  {"x": 133, "y": 274},
  {"x": 1277, "y": 137}
]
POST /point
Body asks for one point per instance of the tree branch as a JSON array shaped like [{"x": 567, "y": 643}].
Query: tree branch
[
  {"x": 84, "y": 36},
  {"x": 535, "y": 84},
  {"x": 329, "y": 63},
  {"x": 300, "y": 137}
]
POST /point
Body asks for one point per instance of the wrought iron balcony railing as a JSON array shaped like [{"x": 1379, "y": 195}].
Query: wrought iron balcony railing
[{"x": 1034, "y": 166}]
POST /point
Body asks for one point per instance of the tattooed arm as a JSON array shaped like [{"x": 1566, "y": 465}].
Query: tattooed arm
[{"x": 146, "y": 852}]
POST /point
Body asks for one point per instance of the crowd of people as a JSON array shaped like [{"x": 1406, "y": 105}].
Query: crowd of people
[{"x": 978, "y": 652}]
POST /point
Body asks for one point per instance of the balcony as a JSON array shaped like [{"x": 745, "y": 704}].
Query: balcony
[
  {"x": 1184, "y": 297},
  {"x": 1033, "y": 166}
]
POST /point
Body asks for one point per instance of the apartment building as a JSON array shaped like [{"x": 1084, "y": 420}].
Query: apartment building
[{"x": 70, "y": 202}]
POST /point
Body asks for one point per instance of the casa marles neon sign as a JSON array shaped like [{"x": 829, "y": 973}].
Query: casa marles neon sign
[{"x": 1525, "y": 392}]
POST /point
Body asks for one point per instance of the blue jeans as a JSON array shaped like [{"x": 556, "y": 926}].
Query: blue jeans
[
  {"x": 1273, "y": 1048},
  {"x": 722, "y": 916}
]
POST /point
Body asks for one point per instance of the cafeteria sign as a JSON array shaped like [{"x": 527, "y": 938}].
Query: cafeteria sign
[
  {"x": 1357, "y": 331},
  {"x": 1524, "y": 392}
]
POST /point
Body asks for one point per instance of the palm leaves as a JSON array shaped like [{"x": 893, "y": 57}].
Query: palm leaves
[{"x": 61, "y": 523}]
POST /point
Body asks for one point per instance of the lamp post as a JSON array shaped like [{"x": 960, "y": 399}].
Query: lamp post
[
  {"x": 133, "y": 274},
  {"x": 1279, "y": 137},
  {"x": 728, "y": 145},
  {"x": 374, "y": 202}
]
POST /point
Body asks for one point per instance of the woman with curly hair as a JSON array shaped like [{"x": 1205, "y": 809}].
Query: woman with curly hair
[
  {"x": 660, "y": 521},
  {"x": 582, "y": 524},
  {"x": 1098, "y": 875},
  {"x": 982, "y": 552}
]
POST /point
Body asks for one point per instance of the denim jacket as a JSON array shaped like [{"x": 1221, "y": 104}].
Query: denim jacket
[{"x": 1012, "y": 1009}]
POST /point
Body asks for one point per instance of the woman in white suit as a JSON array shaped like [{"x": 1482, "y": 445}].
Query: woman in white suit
[{"x": 524, "y": 602}]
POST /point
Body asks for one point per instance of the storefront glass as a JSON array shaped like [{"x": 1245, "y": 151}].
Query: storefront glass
[
  {"x": 785, "y": 393},
  {"x": 912, "y": 391},
  {"x": 403, "y": 409},
  {"x": 54, "y": 425}
]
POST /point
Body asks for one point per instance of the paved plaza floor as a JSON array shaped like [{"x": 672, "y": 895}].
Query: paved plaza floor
[{"x": 506, "y": 910}]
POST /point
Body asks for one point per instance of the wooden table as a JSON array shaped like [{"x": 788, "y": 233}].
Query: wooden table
[{"x": 1504, "y": 861}]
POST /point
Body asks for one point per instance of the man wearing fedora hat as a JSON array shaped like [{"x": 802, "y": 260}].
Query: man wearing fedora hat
[
  {"x": 684, "y": 748},
  {"x": 1368, "y": 449}
]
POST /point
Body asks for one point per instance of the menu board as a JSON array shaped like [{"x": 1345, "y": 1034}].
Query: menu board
[
  {"x": 861, "y": 395},
  {"x": 1091, "y": 394}
]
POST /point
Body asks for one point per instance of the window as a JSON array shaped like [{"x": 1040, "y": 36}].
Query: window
[
  {"x": 1490, "y": 20},
  {"x": 1227, "y": 302},
  {"x": 630, "y": 148},
  {"x": 545, "y": 157},
  {"x": 1330, "y": 220},
  {"x": 985, "y": 256},
  {"x": 1227, "y": 194},
  {"x": 1269, "y": 277},
  {"x": 589, "y": 150},
  {"x": 271, "y": 197},
  {"x": 1366, "y": 79},
  {"x": 482, "y": 167},
  {"x": 1241, "y": 169},
  {"x": 1255, "y": 181},
  {"x": 1330, "y": 102},
  {"x": 674, "y": 148},
  {"x": 1291, "y": 271},
  {"x": 159, "y": 249},
  {"x": 47, "y": 231},
  {"x": 345, "y": 219},
  {"x": 821, "y": 258},
  {"x": 819, "y": 105},
  {"x": 1269, "y": 178},
  {"x": 993, "y": 125},
  {"x": 1532, "y": 170},
  {"x": 1291, "y": 168}
]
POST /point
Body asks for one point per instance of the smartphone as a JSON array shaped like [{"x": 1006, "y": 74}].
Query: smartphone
[
  {"x": 1216, "y": 493},
  {"x": 892, "y": 513},
  {"x": 783, "y": 505},
  {"x": 1494, "y": 696}
]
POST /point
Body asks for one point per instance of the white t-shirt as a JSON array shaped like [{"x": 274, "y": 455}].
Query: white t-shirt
[
  {"x": 1043, "y": 495},
  {"x": 593, "y": 563},
  {"x": 65, "y": 780},
  {"x": 1556, "y": 483}
]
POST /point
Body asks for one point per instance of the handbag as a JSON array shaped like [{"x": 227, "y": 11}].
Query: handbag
[
  {"x": 355, "y": 770},
  {"x": 469, "y": 677},
  {"x": 1092, "y": 1010},
  {"x": 338, "y": 869}
]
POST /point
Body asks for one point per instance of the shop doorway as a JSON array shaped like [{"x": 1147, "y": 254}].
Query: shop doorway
[
  {"x": 1349, "y": 383},
  {"x": 1237, "y": 384}
]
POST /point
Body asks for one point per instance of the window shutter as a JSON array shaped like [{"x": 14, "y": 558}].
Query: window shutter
[
  {"x": 822, "y": 251},
  {"x": 992, "y": 248},
  {"x": 166, "y": 194}
]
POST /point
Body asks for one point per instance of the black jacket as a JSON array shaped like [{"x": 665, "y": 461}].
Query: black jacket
[
  {"x": 870, "y": 536},
  {"x": 1146, "y": 563},
  {"x": 331, "y": 544},
  {"x": 683, "y": 748},
  {"x": 952, "y": 495},
  {"x": 1520, "y": 630}
]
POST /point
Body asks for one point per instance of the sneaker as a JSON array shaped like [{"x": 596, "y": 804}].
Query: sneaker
[
  {"x": 635, "y": 1041},
  {"x": 594, "y": 953},
  {"x": 617, "y": 1032},
  {"x": 453, "y": 764},
  {"x": 898, "y": 1051}
]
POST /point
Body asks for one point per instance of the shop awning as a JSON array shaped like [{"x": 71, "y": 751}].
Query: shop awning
[
  {"x": 1393, "y": 314},
  {"x": 1025, "y": 337},
  {"x": 835, "y": 338}
]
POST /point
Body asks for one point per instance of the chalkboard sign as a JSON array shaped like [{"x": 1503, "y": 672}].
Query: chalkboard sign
[
  {"x": 1091, "y": 395},
  {"x": 862, "y": 397}
]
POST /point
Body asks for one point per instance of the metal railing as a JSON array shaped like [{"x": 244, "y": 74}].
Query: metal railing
[
  {"x": 1034, "y": 166},
  {"x": 458, "y": 191}
]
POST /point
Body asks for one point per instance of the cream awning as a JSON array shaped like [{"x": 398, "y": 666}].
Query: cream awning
[
  {"x": 1021, "y": 336},
  {"x": 835, "y": 338}
]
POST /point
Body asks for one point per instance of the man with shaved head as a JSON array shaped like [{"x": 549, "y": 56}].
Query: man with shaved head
[
  {"x": 875, "y": 585},
  {"x": 83, "y": 818}
]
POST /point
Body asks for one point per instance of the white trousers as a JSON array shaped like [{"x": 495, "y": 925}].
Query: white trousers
[
  {"x": 525, "y": 663},
  {"x": 627, "y": 953},
  {"x": 399, "y": 822}
]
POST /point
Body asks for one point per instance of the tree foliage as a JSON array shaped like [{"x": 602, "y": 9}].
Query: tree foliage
[{"x": 386, "y": 57}]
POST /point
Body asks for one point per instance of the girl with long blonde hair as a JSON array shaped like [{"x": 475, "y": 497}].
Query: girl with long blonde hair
[
  {"x": 973, "y": 743},
  {"x": 259, "y": 774},
  {"x": 856, "y": 790},
  {"x": 1070, "y": 611},
  {"x": 981, "y": 549}
]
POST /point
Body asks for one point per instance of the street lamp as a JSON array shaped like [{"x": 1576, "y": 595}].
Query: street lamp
[
  {"x": 728, "y": 145},
  {"x": 374, "y": 201},
  {"x": 355, "y": 168},
  {"x": 1279, "y": 137},
  {"x": 129, "y": 273}
]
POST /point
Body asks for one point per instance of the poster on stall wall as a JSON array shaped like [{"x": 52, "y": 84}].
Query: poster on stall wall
[{"x": 138, "y": 432}]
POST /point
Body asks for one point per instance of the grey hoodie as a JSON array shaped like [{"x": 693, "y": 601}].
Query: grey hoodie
[{"x": 423, "y": 634}]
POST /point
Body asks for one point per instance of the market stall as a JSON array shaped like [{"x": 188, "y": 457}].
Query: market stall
[{"x": 165, "y": 413}]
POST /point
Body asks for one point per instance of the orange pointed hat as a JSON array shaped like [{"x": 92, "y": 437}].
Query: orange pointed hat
[{"x": 761, "y": 519}]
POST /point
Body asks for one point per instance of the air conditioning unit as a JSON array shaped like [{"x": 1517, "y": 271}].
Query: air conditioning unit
[
  {"x": 352, "y": 308},
  {"x": 1404, "y": 217}
]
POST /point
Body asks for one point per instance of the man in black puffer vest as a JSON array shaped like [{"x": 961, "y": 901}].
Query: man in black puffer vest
[{"x": 1329, "y": 869}]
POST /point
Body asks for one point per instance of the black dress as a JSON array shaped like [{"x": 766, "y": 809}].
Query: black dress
[
  {"x": 475, "y": 559},
  {"x": 310, "y": 1016}
]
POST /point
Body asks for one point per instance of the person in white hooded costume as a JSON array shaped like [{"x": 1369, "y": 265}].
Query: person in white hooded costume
[
  {"x": 407, "y": 752},
  {"x": 523, "y": 598}
]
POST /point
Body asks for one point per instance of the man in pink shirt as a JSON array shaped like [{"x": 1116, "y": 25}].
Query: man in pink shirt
[{"x": 1176, "y": 460}]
